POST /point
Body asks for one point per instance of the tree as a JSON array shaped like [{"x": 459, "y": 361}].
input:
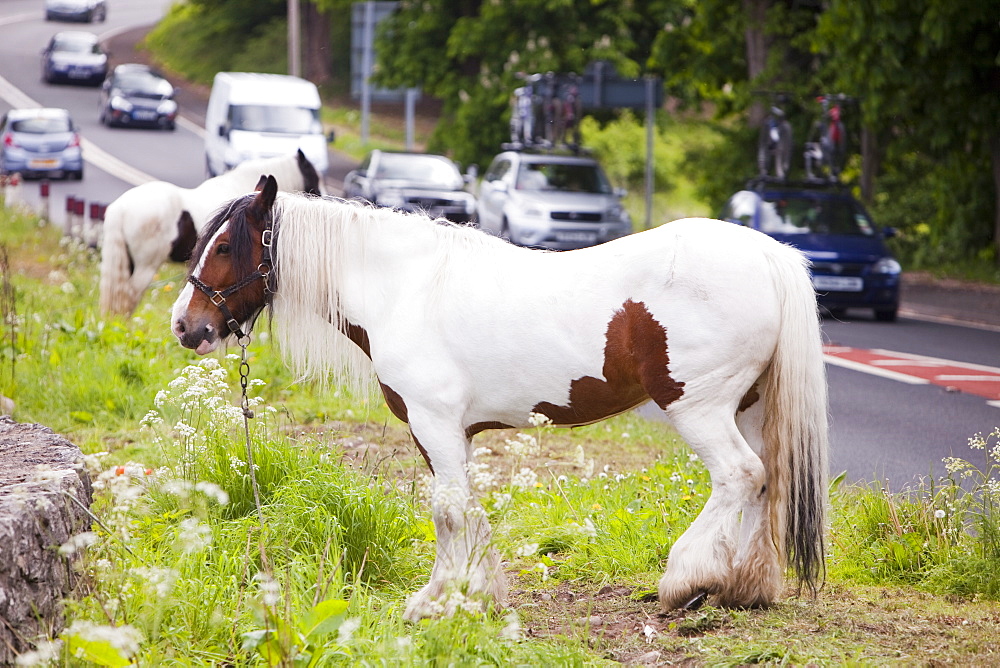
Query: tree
[
  {"x": 928, "y": 74},
  {"x": 467, "y": 53}
]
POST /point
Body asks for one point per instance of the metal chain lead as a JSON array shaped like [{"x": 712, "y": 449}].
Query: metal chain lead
[{"x": 244, "y": 341}]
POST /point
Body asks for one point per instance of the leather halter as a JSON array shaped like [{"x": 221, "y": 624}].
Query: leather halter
[{"x": 218, "y": 297}]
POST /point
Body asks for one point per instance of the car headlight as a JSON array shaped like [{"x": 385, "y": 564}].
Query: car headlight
[
  {"x": 120, "y": 103},
  {"x": 887, "y": 265},
  {"x": 167, "y": 107},
  {"x": 614, "y": 212},
  {"x": 530, "y": 211},
  {"x": 391, "y": 199}
]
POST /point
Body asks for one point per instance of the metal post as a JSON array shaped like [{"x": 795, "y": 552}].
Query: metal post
[
  {"x": 650, "y": 126},
  {"x": 294, "y": 51},
  {"x": 411, "y": 98},
  {"x": 366, "y": 69}
]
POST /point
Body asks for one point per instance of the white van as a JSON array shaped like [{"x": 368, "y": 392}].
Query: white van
[{"x": 254, "y": 116}]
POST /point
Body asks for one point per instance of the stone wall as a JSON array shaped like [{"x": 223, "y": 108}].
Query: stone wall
[{"x": 44, "y": 491}]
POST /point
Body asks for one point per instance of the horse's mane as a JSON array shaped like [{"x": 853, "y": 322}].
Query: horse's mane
[{"x": 318, "y": 240}]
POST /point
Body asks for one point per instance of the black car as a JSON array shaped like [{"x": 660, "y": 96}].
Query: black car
[
  {"x": 74, "y": 56},
  {"x": 412, "y": 182},
  {"x": 851, "y": 266},
  {"x": 136, "y": 95}
]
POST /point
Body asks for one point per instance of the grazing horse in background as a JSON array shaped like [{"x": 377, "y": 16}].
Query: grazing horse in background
[
  {"x": 157, "y": 221},
  {"x": 714, "y": 322}
]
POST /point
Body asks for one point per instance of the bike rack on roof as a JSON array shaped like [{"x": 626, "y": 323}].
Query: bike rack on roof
[
  {"x": 541, "y": 149},
  {"x": 761, "y": 182}
]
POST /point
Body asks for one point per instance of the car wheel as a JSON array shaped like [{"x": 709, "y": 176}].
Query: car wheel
[
  {"x": 886, "y": 314},
  {"x": 504, "y": 230},
  {"x": 77, "y": 175}
]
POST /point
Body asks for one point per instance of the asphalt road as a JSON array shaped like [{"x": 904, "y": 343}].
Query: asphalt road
[{"x": 885, "y": 423}]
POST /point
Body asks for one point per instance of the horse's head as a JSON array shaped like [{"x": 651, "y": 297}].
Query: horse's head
[{"x": 229, "y": 272}]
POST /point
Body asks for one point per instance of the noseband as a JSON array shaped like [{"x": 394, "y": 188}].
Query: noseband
[{"x": 218, "y": 297}]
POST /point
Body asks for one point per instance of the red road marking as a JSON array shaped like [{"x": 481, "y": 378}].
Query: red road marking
[{"x": 976, "y": 379}]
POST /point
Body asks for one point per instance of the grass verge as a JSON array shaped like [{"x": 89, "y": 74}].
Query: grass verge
[{"x": 181, "y": 569}]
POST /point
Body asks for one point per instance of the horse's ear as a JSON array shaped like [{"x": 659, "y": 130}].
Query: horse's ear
[
  {"x": 267, "y": 191},
  {"x": 260, "y": 183}
]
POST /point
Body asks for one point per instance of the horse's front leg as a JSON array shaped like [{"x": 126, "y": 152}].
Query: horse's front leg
[{"x": 467, "y": 567}]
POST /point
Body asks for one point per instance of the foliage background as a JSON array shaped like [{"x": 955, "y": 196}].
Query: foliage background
[{"x": 925, "y": 76}]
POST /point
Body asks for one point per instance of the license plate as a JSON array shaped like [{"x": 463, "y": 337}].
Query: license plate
[
  {"x": 839, "y": 283},
  {"x": 577, "y": 237},
  {"x": 79, "y": 74},
  {"x": 43, "y": 164},
  {"x": 144, "y": 115}
]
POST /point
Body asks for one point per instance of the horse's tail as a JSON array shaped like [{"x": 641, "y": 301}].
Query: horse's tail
[
  {"x": 795, "y": 426},
  {"x": 116, "y": 265}
]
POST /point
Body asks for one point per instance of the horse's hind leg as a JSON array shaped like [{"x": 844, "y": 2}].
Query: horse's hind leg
[
  {"x": 757, "y": 566},
  {"x": 710, "y": 555},
  {"x": 467, "y": 562}
]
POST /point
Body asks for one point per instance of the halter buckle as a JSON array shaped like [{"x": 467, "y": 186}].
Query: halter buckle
[{"x": 266, "y": 237}]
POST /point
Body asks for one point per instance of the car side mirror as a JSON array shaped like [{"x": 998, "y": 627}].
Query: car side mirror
[
  {"x": 223, "y": 131},
  {"x": 331, "y": 137},
  {"x": 620, "y": 193},
  {"x": 889, "y": 232},
  {"x": 500, "y": 186},
  {"x": 471, "y": 173}
]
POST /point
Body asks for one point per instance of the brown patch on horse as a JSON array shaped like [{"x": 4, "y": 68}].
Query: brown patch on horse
[
  {"x": 636, "y": 368},
  {"x": 398, "y": 408},
  {"x": 187, "y": 237},
  {"x": 474, "y": 429},
  {"x": 751, "y": 397}
]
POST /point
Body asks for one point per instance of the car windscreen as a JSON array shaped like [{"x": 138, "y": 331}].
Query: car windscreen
[
  {"x": 418, "y": 168},
  {"x": 802, "y": 213},
  {"x": 144, "y": 84},
  {"x": 581, "y": 178},
  {"x": 41, "y": 126},
  {"x": 268, "y": 118},
  {"x": 75, "y": 45}
]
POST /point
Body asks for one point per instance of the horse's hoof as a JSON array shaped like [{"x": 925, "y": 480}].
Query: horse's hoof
[{"x": 696, "y": 602}]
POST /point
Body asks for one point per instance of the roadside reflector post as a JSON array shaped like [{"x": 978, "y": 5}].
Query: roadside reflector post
[{"x": 43, "y": 189}]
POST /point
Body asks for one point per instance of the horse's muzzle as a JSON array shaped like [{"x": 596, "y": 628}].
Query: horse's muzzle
[{"x": 202, "y": 338}]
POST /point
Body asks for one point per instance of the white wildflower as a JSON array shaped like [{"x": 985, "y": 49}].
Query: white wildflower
[
  {"x": 512, "y": 627},
  {"x": 126, "y": 639},
  {"x": 193, "y": 536},
  {"x": 213, "y": 491},
  {"x": 539, "y": 420},
  {"x": 347, "y": 629},
  {"x": 524, "y": 479},
  {"x": 524, "y": 445},
  {"x": 649, "y": 632},
  {"x": 46, "y": 652},
  {"x": 270, "y": 590},
  {"x": 526, "y": 550},
  {"x": 158, "y": 580},
  {"x": 77, "y": 543},
  {"x": 939, "y": 514}
]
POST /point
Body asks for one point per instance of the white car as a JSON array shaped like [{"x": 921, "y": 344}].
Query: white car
[{"x": 549, "y": 200}]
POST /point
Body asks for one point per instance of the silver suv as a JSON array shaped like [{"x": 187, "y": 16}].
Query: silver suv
[{"x": 546, "y": 200}]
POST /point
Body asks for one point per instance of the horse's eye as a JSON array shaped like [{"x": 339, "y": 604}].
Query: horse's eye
[{"x": 223, "y": 249}]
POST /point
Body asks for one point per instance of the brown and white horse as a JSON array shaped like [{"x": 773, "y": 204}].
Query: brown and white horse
[
  {"x": 157, "y": 221},
  {"x": 716, "y": 323}
]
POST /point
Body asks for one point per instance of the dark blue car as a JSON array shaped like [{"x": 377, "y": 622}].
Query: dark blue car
[{"x": 851, "y": 266}]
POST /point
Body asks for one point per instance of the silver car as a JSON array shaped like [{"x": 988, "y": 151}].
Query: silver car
[
  {"x": 76, "y": 10},
  {"x": 554, "y": 201},
  {"x": 412, "y": 182}
]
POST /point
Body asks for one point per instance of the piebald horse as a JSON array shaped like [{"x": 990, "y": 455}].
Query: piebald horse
[
  {"x": 157, "y": 221},
  {"x": 715, "y": 323}
]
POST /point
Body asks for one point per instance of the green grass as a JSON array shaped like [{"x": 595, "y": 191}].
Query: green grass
[{"x": 182, "y": 571}]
